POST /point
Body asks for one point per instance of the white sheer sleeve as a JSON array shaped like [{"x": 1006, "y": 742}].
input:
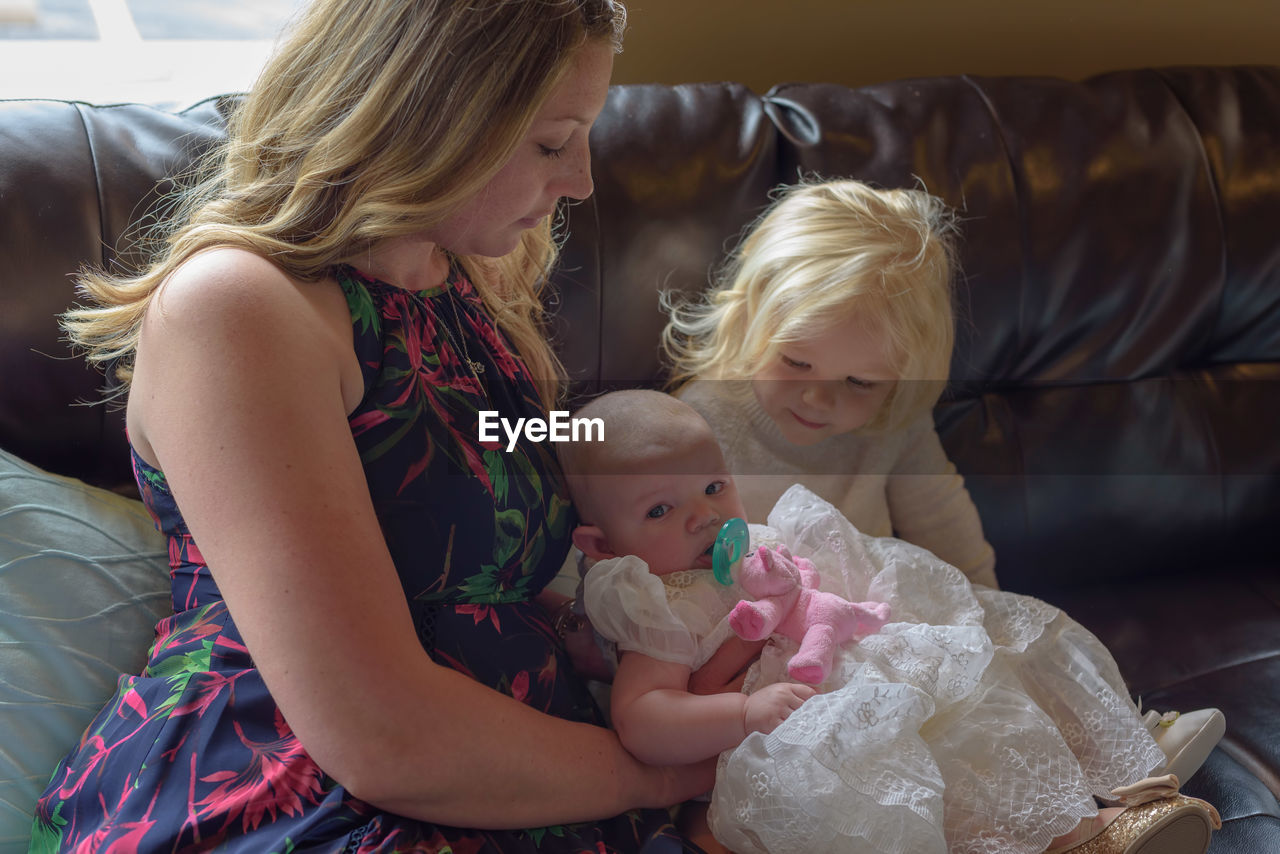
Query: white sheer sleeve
[{"x": 628, "y": 605}]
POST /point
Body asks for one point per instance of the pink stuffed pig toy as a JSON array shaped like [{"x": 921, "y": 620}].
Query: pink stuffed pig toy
[{"x": 788, "y": 602}]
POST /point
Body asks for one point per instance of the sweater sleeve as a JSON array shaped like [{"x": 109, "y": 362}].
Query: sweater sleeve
[{"x": 930, "y": 506}]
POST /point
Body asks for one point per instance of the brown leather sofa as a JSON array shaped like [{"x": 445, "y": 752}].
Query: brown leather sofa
[{"x": 1115, "y": 404}]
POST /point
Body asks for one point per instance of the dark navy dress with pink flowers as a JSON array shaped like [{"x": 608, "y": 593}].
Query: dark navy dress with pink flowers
[{"x": 193, "y": 754}]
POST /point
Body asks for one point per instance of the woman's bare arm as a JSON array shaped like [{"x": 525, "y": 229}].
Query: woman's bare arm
[
  {"x": 243, "y": 384},
  {"x": 727, "y": 668}
]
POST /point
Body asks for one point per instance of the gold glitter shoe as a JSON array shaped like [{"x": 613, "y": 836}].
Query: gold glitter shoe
[{"x": 1172, "y": 825}]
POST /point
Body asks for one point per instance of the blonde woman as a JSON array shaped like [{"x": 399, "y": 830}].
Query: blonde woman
[{"x": 361, "y": 655}]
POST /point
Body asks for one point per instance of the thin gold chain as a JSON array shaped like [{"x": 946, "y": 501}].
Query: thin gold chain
[{"x": 477, "y": 368}]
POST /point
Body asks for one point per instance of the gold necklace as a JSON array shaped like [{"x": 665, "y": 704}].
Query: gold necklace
[
  {"x": 459, "y": 342},
  {"x": 477, "y": 368}
]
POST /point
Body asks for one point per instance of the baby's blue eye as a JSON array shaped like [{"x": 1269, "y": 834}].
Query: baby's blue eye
[
  {"x": 715, "y": 488},
  {"x": 657, "y": 511}
]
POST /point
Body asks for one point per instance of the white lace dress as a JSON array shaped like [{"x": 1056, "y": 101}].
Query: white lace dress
[{"x": 976, "y": 721}]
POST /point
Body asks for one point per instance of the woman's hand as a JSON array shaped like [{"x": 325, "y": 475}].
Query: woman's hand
[
  {"x": 727, "y": 667},
  {"x": 679, "y": 783}
]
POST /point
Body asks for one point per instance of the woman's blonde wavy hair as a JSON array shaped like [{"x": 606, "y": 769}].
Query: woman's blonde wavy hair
[
  {"x": 822, "y": 254},
  {"x": 373, "y": 119}
]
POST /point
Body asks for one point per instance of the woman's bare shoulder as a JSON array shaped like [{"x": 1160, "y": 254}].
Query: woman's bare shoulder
[
  {"x": 233, "y": 295},
  {"x": 236, "y": 310},
  {"x": 224, "y": 281}
]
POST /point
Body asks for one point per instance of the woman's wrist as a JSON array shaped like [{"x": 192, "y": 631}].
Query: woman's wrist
[
  {"x": 566, "y": 619},
  {"x": 664, "y": 786}
]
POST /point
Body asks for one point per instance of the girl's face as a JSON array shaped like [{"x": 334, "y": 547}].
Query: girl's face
[
  {"x": 552, "y": 161},
  {"x": 826, "y": 385}
]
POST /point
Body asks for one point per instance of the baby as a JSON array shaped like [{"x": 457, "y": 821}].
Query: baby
[
  {"x": 977, "y": 717},
  {"x": 654, "y": 500}
]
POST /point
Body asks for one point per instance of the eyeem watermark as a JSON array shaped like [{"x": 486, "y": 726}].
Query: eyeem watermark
[{"x": 560, "y": 427}]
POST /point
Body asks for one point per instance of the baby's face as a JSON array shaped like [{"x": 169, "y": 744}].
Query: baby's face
[
  {"x": 826, "y": 385},
  {"x": 669, "y": 511}
]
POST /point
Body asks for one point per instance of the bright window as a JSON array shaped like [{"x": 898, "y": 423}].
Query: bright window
[{"x": 171, "y": 52}]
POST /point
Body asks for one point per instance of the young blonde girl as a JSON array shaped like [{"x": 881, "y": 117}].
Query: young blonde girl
[
  {"x": 820, "y": 354},
  {"x": 817, "y": 359}
]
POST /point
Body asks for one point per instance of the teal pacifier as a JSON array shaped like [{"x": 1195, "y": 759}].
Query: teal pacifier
[{"x": 729, "y": 548}]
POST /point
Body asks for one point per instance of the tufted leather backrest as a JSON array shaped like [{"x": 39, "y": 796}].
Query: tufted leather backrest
[
  {"x": 1114, "y": 403},
  {"x": 73, "y": 178}
]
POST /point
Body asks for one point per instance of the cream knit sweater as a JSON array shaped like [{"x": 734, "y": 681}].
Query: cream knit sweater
[{"x": 901, "y": 485}]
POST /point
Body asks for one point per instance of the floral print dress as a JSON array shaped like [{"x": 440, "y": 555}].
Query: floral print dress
[{"x": 194, "y": 755}]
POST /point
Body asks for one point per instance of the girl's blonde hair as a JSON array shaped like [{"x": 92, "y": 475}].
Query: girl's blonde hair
[
  {"x": 821, "y": 255},
  {"x": 373, "y": 119}
]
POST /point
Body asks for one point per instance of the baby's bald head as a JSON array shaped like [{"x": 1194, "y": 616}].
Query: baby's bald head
[{"x": 641, "y": 428}]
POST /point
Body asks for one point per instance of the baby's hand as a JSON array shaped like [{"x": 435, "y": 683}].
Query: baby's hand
[{"x": 772, "y": 705}]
